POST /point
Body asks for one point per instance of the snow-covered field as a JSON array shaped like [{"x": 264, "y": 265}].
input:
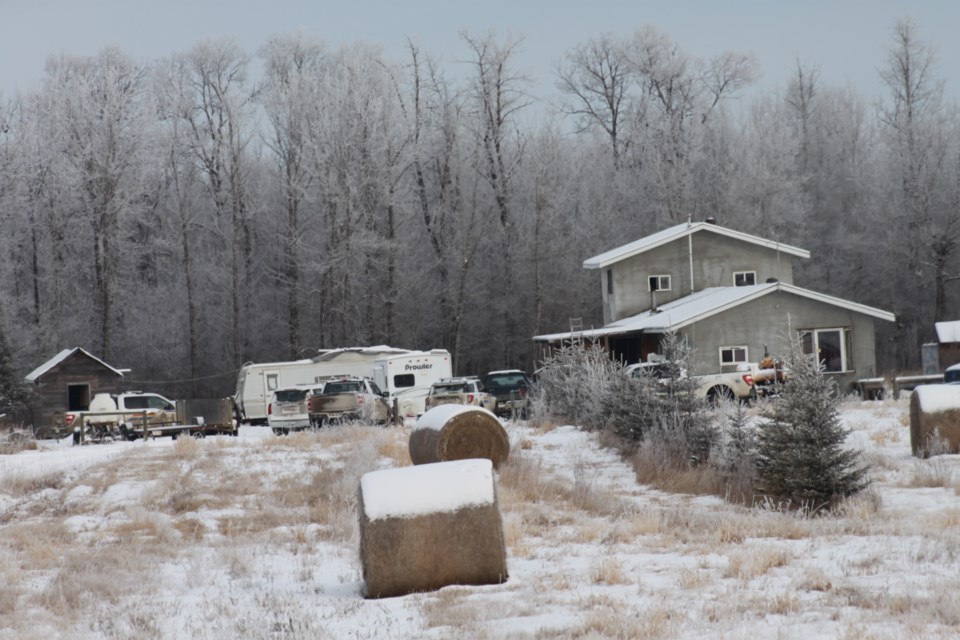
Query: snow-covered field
[{"x": 256, "y": 537}]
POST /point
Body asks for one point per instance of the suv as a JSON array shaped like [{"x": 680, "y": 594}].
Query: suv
[
  {"x": 511, "y": 388},
  {"x": 289, "y": 408},
  {"x": 467, "y": 390}
]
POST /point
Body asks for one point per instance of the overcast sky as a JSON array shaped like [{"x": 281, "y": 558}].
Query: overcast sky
[{"x": 846, "y": 39}]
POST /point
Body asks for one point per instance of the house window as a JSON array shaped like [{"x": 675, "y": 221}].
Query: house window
[
  {"x": 744, "y": 278},
  {"x": 733, "y": 355},
  {"x": 659, "y": 283},
  {"x": 832, "y": 347}
]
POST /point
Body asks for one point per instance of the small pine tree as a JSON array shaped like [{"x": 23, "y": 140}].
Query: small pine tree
[{"x": 801, "y": 457}]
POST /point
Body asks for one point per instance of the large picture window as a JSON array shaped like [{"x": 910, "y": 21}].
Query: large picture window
[{"x": 831, "y": 346}]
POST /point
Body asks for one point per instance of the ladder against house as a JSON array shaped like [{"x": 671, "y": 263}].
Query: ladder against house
[{"x": 576, "y": 329}]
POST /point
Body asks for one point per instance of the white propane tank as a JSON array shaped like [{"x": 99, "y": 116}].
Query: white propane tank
[{"x": 103, "y": 402}]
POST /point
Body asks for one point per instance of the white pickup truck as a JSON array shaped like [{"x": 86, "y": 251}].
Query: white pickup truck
[
  {"x": 124, "y": 413},
  {"x": 713, "y": 386}
]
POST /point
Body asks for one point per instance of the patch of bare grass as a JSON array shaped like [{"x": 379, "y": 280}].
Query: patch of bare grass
[
  {"x": 656, "y": 468},
  {"x": 26, "y": 483},
  {"x": 91, "y": 577},
  {"x": 524, "y": 480},
  {"x": 933, "y": 472},
  {"x": 755, "y": 561},
  {"x": 608, "y": 571}
]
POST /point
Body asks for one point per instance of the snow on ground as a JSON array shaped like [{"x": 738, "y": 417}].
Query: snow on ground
[{"x": 590, "y": 552}]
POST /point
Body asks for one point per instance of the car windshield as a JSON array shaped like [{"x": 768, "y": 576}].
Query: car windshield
[{"x": 291, "y": 395}]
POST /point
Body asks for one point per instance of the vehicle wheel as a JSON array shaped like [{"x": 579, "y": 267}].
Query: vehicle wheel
[
  {"x": 720, "y": 394},
  {"x": 199, "y": 435}
]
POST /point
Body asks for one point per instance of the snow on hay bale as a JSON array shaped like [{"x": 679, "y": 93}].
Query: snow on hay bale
[
  {"x": 458, "y": 432},
  {"x": 426, "y": 527},
  {"x": 935, "y": 419}
]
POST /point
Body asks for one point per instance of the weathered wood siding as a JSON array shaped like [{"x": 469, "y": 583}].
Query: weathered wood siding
[{"x": 50, "y": 398}]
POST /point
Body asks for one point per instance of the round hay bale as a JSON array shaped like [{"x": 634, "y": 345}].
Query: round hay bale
[
  {"x": 427, "y": 527},
  {"x": 458, "y": 432},
  {"x": 935, "y": 419}
]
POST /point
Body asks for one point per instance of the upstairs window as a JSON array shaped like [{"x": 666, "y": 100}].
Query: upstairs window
[
  {"x": 831, "y": 346},
  {"x": 744, "y": 278},
  {"x": 658, "y": 283}
]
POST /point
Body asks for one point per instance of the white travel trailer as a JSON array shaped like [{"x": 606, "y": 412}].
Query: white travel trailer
[{"x": 406, "y": 375}]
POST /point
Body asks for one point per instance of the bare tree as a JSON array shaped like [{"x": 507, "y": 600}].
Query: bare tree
[
  {"x": 596, "y": 76},
  {"x": 927, "y": 233},
  {"x": 293, "y": 68},
  {"x": 681, "y": 94},
  {"x": 100, "y": 119},
  {"x": 210, "y": 81}
]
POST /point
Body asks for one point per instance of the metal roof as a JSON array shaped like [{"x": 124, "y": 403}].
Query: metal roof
[
  {"x": 681, "y": 231},
  {"x": 37, "y": 373},
  {"x": 703, "y": 304}
]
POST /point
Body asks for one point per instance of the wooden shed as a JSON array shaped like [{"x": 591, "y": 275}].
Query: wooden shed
[
  {"x": 67, "y": 382},
  {"x": 948, "y": 339}
]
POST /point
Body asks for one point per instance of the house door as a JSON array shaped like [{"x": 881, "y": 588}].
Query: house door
[{"x": 78, "y": 397}]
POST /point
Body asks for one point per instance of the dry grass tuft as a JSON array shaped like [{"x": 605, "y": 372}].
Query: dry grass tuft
[
  {"x": 756, "y": 561},
  {"x": 186, "y": 448},
  {"x": 393, "y": 445},
  {"x": 23, "y": 484},
  {"x": 656, "y": 469},
  {"x": 932, "y": 472},
  {"x": 608, "y": 571}
]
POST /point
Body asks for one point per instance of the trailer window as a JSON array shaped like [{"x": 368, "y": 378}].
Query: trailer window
[{"x": 404, "y": 380}]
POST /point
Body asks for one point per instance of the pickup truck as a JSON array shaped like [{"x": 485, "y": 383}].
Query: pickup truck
[
  {"x": 349, "y": 398},
  {"x": 122, "y": 414},
  {"x": 712, "y": 386}
]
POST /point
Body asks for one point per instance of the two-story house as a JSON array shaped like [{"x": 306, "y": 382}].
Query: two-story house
[{"x": 731, "y": 295}]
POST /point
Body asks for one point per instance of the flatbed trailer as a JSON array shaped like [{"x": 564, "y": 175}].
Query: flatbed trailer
[{"x": 197, "y": 418}]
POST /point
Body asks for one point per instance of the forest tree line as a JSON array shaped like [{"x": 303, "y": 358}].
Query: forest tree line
[{"x": 184, "y": 216}]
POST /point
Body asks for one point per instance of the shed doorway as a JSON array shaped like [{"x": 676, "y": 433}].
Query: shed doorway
[{"x": 78, "y": 397}]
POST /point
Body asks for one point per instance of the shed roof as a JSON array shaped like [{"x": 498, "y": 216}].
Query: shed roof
[
  {"x": 703, "y": 304},
  {"x": 50, "y": 364},
  {"x": 681, "y": 231}
]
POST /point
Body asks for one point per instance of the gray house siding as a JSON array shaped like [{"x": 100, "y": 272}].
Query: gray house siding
[
  {"x": 715, "y": 260},
  {"x": 768, "y": 321}
]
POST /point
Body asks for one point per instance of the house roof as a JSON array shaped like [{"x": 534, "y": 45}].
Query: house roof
[
  {"x": 948, "y": 331},
  {"x": 703, "y": 304},
  {"x": 37, "y": 373},
  {"x": 681, "y": 231}
]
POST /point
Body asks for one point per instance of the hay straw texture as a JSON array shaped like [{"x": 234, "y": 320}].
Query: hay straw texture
[
  {"x": 458, "y": 432},
  {"x": 935, "y": 419},
  {"x": 427, "y": 527}
]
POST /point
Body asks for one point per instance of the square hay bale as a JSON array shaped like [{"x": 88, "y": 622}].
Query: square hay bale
[
  {"x": 458, "y": 432},
  {"x": 935, "y": 419},
  {"x": 430, "y": 526}
]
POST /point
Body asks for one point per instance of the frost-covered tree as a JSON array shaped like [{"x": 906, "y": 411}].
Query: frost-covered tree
[{"x": 802, "y": 457}]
